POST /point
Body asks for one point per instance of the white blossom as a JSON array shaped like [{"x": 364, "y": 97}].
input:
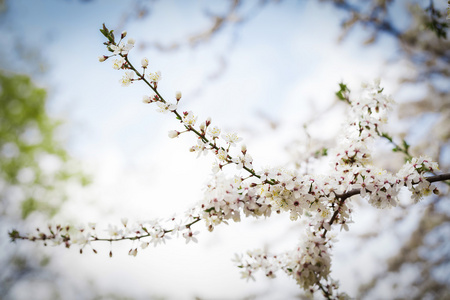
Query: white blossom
[
  {"x": 190, "y": 236},
  {"x": 118, "y": 63},
  {"x": 214, "y": 131},
  {"x": 165, "y": 107},
  {"x": 231, "y": 138},
  {"x": 189, "y": 118},
  {"x": 155, "y": 77},
  {"x": 144, "y": 62},
  {"x": 127, "y": 78},
  {"x": 200, "y": 148},
  {"x": 147, "y": 99},
  {"x": 243, "y": 160},
  {"x": 222, "y": 155},
  {"x": 113, "y": 231},
  {"x": 122, "y": 48}
]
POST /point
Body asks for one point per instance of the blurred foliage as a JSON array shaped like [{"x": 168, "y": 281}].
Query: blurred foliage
[
  {"x": 35, "y": 172},
  {"x": 34, "y": 165}
]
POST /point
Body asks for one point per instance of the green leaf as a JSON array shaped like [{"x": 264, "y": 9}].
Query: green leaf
[
  {"x": 386, "y": 136},
  {"x": 343, "y": 90},
  {"x": 14, "y": 234},
  {"x": 405, "y": 146},
  {"x": 108, "y": 34}
]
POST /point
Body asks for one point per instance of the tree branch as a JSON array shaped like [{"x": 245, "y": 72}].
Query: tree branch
[
  {"x": 435, "y": 178},
  {"x": 344, "y": 196}
]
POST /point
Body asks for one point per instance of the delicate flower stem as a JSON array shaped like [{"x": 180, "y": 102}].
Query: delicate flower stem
[
  {"x": 325, "y": 293},
  {"x": 14, "y": 235}
]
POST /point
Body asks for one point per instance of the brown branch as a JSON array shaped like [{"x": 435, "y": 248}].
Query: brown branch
[
  {"x": 441, "y": 177},
  {"x": 435, "y": 178},
  {"x": 344, "y": 196}
]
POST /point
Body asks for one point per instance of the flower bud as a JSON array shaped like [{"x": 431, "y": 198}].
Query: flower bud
[
  {"x": 144, "y": 62},
  {"x": 203, "y": 126},
  {"x": 146, "y": 99},
  {"x": 132, "y": 252},
  {"x": 102, "y": 58},
  {"x": 178, "y": 95},
  {"x": 173, "y": 134},
  {"x": 243, "y": 149},
  {"x": 123, "y": 35}
]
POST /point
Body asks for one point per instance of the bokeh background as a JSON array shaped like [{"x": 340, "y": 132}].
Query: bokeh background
[{"x": 77, "y": 147}]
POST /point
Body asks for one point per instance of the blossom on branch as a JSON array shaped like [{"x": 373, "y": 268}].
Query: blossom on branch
[
  {"x": 189, "y": 118},
  {"x": 122, "y": 48},
  {"x": 155, "y": 77},
  {"x": 231, "y": 138},
  {"x": 323, "y": 201},
  {"x": 127, "y": 78}
]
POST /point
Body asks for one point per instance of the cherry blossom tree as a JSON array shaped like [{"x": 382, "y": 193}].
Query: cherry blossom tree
[{"x": 321, "y": 202}]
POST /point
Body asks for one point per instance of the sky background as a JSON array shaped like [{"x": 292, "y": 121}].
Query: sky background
[{"x": 283, "y": 66}]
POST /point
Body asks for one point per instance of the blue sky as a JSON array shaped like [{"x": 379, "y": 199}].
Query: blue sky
[{"x": 284, "y": 65}]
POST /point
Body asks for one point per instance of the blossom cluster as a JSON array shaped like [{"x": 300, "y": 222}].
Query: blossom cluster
[
  {"x": 308, "y": 264},
  {"x": 353, "y": 157},
  {"x": 323, "y": 200},
  {"x": 226, "y": 199},
  {"x": 412, "y": 176},
  {"x": 368, "y": 113}
]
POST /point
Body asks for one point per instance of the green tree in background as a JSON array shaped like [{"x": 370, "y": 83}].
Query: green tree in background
[
  {"x": 32, "y": 160},
  {"x": 35, "y": 171}
]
